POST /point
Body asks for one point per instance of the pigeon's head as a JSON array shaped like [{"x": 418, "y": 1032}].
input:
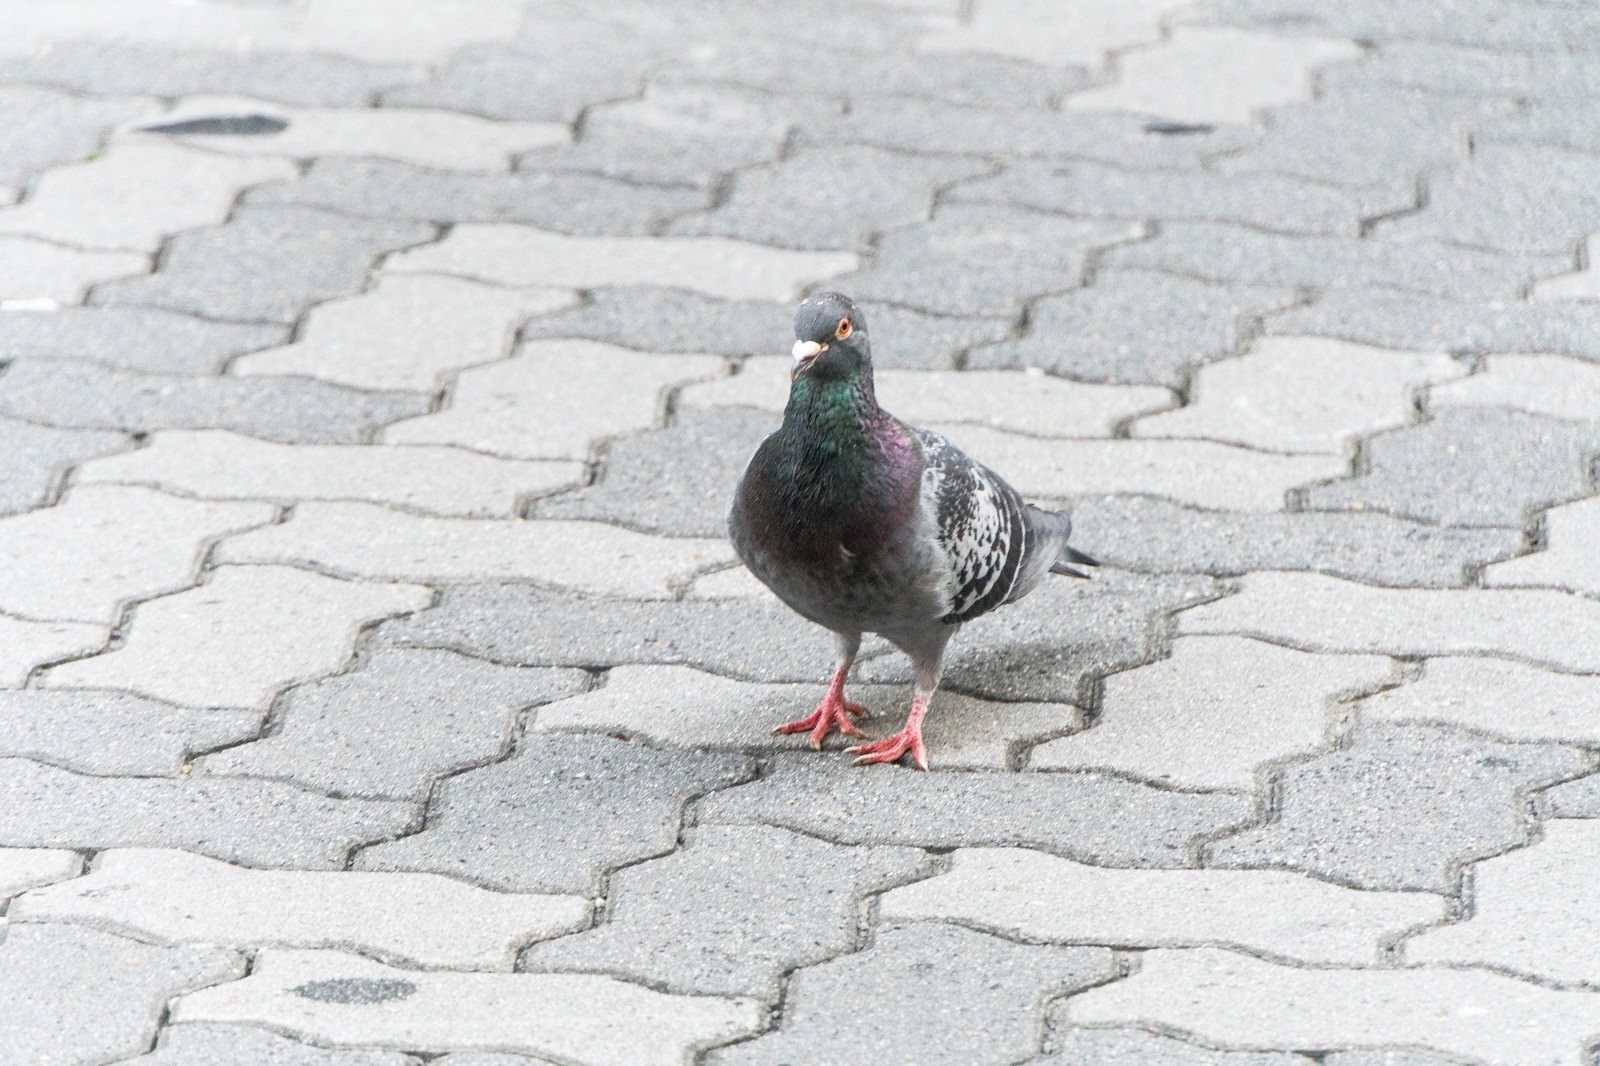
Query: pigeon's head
[{"x": 830, "y": 337}]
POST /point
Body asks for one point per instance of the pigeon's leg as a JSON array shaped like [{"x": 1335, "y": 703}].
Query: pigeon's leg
[
  {"x": 834, "y": 712},
  {"x": 925, "y": 661}
]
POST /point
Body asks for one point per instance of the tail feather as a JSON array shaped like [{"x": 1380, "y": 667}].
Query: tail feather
[{"x": 1070, "y": 554}]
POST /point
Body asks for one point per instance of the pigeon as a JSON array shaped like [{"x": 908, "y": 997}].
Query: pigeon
[{"x": 863, "y": 524}]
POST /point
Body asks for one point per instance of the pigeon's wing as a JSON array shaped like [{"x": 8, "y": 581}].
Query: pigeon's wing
[{"x": 982, "y": 527}]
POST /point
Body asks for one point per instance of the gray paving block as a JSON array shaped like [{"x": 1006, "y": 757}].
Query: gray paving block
[
  {"x": 37, "y": 457},
  {"x": 100, "y": 731},
  {"x": 1449, "y": 68},
  {"x": 1400, "y": 808},
  {"x": 1133, "y": 327},
  {"x": 1096, "y": 1047},
  {"x": 205, "y": 1044},
  {"x": 924, "y": 994},
  {"x": 1380, "y": 1057},
  {"x": 265, "y": 264},
  {"x": 1575, "y": 799},
  {"x": 1563, "y": 123},
  {"x": 1270, "y": 201},
  {"x": 1092, "y": 818},
  {"x": 701, "y": 455},
  {"x": 1470, "y": 466},
  {"x": 253, "y": 822},
  {"x": 561, "y": 812},
  {"x": 828, "y": 197},
  {"x": 294, "y": 410},
  {"x": 980, "y": 259},
  {"x": 1144, "y": 533},
  {"x": 706, "y": 919},
  {"x": 77, "y": 995},
  {"x": 586, "y": 204},
  {"x": 1536, "y": 27},
  {"x": 1223, "y": 252},
  {"x": 147, "y": 339},
  {"x": 674, "y": 320},
  {"x": 388, "y": 729},
  {"x": 40, "y": 129},
  {"x": 118, "y": 68},
  {"x": 490, "y": 1058}
]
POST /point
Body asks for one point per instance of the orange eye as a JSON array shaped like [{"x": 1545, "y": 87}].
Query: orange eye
[{"x": 845, "y": 327}]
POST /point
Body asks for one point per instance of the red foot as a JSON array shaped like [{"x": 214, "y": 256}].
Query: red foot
[
  {"x": 890, "y": 748},
  {"x": 834, "y": 712}
]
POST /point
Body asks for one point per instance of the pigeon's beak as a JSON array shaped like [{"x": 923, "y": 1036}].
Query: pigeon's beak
[{"x": 805, "y": 353}]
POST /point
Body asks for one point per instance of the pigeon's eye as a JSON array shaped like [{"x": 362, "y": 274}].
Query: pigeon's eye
[{"x": 844, "y": 330}]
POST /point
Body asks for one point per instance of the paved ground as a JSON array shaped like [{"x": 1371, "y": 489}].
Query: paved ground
[{"x": 376, "y": 686}]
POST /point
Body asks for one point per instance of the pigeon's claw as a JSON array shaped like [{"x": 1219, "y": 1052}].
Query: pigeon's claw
[
  {"x": 891, "y": 748},
  {"x": 834, "y": 712}
]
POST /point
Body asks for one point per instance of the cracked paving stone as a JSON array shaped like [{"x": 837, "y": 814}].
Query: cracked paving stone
[
  {"x": 923, "y": 994},
  {"x": 1361, "y": 545},
  {"x": 37, "y": 457},
  {"x": 144, "y": 339},
  {"x": 686, "y": 708},
  {"x": 929, "y": 265},
  {"x": 1224, "y": 997},
  {"x": 1214, "y": 713},
  {"x": 1499, "y": 697},
  {"x": 1097, "y": 818},
  {"x": 262, "y": 823},
  {"x": 1535, "y": 911},
  {"x": 37, "y": 271},
  {"x": 265, "y": 263},
  {"x": 423, "y": 919},
  {"x": 1553, "y": 385},
  {"x": 1469, "y": 466},
  {"x": 558, "y": 814},
  {"x": 200, "y": 1044},
  {"x": 25, "y": 645},
  {"x": 1035, "y": 898},
  {"x": 1219, "y": 251},
  {"x": 1133, "y": 327},
  {"x": 25, "y": 868},
  {"x": 392, "y": 727},
  {"x": 107, "y": 993},
  {"x": 216, "y": 464},
  {"x": 829, "y": 197},
  {"x": 41, "y": 128},
  {"x": 1096, "y": 1047},
  {"x": 503, "y": 407},
  {"x": 700, "y": 920},
  {"x": 240, "y": 637},
  {"x": 671, "y": 320},
  {"x": 333, "y": 997},
  {"x": 1568, "y": 561},
  {"x": 99, "y": 731},
  {"x": 1400, "y": 808},
  {"x": 1095, "y": 190},
  {"x": 82, "y": 395},
  {"x": 569, "y": 202}
]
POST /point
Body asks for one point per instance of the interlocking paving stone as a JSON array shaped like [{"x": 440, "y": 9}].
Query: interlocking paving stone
[
  {"x": 216, "y": 464},
  {"x": 1364, "y": 546},
  {"x": 106, "y": 993},
  {"x": 1400, "y": 807},
  {"x": 1499, "y": 697},
  {"x": 176, "y": 188},
  {"x": 1133, "y": 327},
  {"x": 1096, "y": 190},
  {"x": 507, "y": 407},
  {"x": 1094, "y": 1047},
  {"x": 1535, "y": 911},
  {"x": 1482, "y": 25},
  {"x": 1465, "y": 69},
  {"x": 101, "y": 731},
  {"x": 492, "y": 1058},
  {"x": 1328, "y": 614},
  {"x": 717, "y": 897},
  {"x": 559, "y": 813},
  {"x": 1047, "y": 34},
  {"x": 1574, "y": 285},
  {"x": 1089, "y": 816},
  {"x": 1554, "y": 385},
  {"x": 1568, "y": 561},
  {"x": 266, "y": 263},
  {"x": 1214, "y": 712},
  {"x": 1037, "y": 898},
  {"x": 241, "y": 636},
  {"x": 1221, "y": 251},
  {"x": 406, "y": 332},
  {"x": 1386, "y": 1058},
  {"x": 1215, "y": 75},
  {"x": 37, "y": 456},
  {"x": 1575, "y": 799},
  {"x": 199, "y": 1044},
  {"x": 829, "y": 197},
  {"x": 924, "y": 994},
  {"x": 1227, "y": 998},
  {"x": 716, "y": 266},
  {"x": 1301, "y": 394},
  {"x": 686, "y": 708},
  {"x": 388, "y": 729},
  {"x": 40, "y": 128},
  {"x": 263, "y": 823},
  {"x": 132, "y": 338},
  {"x": 557, "y": 200},
  {"x": 26, "y": 645},
  {"x": 25, "y": 868},
  {"x": 366, "y": 541},
  {"x": 332, "y": 997},
  {"x": 424, "y": 919},
  {"x": 1470, "y": 466},
  {"x": 931, "y": 265},
  {"x": 37, "y": 270}
]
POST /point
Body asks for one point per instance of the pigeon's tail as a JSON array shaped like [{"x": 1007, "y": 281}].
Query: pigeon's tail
[
  {"x": 1053, "y": 528},
  {"x": 1070, "y": 555}
]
